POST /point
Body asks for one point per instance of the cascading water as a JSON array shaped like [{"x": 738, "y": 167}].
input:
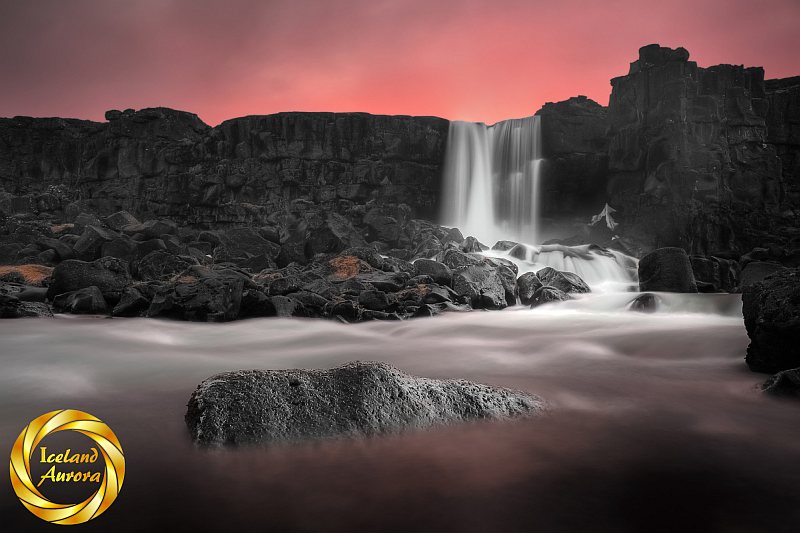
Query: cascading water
[
  {"x": 492, "y": 177},
  {"x": 491, "y": 192}
]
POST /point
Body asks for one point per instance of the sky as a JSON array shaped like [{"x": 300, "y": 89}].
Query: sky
[{"x": 478, "y": 60}]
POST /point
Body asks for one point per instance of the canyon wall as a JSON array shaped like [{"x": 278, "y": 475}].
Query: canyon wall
[
  {"x": 161, "y": 162},
  {"x": 707, "y": 159}
]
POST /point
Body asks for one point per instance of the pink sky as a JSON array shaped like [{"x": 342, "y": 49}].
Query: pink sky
[{"x": 483, "y": 60}]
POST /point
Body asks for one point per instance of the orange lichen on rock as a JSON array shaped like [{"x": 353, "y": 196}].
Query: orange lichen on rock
[
  {"x": 29, "y": 274},
  {"x": 60, "y": 228},
  {"x": 348, "y": 266}
]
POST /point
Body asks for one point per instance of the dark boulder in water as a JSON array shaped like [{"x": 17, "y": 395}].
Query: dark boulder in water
[
  {"x": 528, "y": 284},
  {"x": 354, "y": 400},
  {"x": 547, "y": 294},
  {"x": 644, "y": 303},
  {"x": 203, "y": 300},
  {"x": 771, "y": 310},
  {"x": 564, "y": 281},
  {"x": 785, "y": 383},
  {"x": 666, "y": 270},
  {"x": 482, "y": 284}
]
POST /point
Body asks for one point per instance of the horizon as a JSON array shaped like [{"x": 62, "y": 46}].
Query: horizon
[{"x": 83, "y": 58}]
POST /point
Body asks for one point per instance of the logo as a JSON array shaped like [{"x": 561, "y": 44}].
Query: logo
[{"x": 63, "y": 468}]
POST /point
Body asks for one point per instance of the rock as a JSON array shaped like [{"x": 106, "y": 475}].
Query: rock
[
  {"x": 12, "y": 307},
  {"x": 756, "y": 271},
  {"x": 249, "y": 407},
  {"x": 154, "y": 229},
  {"x": 714, "y": 274},
  {"x": 456, "y": 258},
  {"x": 286, "y": 306},
  {"x": 382, "y": 226},
  {"x": 374, "y": 300},
  {"x": 482, "y": 285},
  {"x": 88, "y": 300},
  {"x": 771, "y": 310},
  {"x": 91, "y": 241},
  {"x": 547, "y": 294},
  {"x": 504, "y": 246},
  {"x": 564, "y": 281},
  {"x": 35, "y": 275},
  {"x": 528, "y": 284},
  {"x": 785, "y": 383},
  {"x": 666, "y": 270},
  {"x": 117, "y": 221},
  {"x": 132, "y": 303},
  {"x": 122, "y": 247},
  {"x": 644, "y": 303},
  {"x": 204, "y": 300},
  {"x": 473, "y": 245},
  {"x": 161, "y": 266},
  {"x": 108, "y": 274},
  {"x": 62, "y": 249},
  {"x": 439, "y": 272}
]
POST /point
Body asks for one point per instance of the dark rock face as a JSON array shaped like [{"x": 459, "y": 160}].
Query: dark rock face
[
  {"x": 714, "y": 274},
  {"x": 771, "y": 310},
  {"x": 528, "y": 284},
  {"x": 161, "y": 162},
  {"x": 564, "y": 281},
  {"x": 575, "y": 147},
  {"x": 109, "y": 275},
  {"x": 785, "y": 383},
  {"x": 204, "y": 300},
  {"x": 644, "y": 303},
  {"x": 756, "y": 271},
  {"x": 354, "y": 400},
  {"x": 482, "y": 285},
  {"x": 690, "y": 164},
  {"x": 668, "y": 270}
]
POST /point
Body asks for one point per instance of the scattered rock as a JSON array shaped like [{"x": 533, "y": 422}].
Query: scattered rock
[
  {"x": 108, "y": 274},
  {"x": 355, "y": 400}
]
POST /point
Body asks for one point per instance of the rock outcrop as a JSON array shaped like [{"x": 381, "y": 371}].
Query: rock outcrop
[
  {"x": 354, "y": 400},
  {"x": 666, "y": 269},
  {"x": 771, "y": 310}
]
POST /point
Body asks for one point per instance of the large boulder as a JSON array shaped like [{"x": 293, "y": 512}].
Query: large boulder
[
  {"x": 563, "y": 281},
  {"x": 666, "y": 270},
  {"x": 547, "y": 294},
  {"x": 756, "y": 271},
  {"x": 771, "y": 310},
  {"x": 91, "y": 241},
  {"x": 109, "y": 274},
  {"x": 482, "y": 285},
  {"x": 353, "y": 400}
]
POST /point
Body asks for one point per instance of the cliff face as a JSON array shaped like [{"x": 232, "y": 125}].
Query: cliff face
[
  {"x": 690, "y": 162},
  {"x": 575, "y": 147},
  {"x": 161, "y": 162}
]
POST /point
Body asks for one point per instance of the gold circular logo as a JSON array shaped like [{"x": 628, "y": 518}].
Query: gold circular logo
[{"x": 110, "y": 481}]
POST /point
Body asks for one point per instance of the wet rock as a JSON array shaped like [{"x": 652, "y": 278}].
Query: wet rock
[
  {"x": 785, "y": 383},
  {"x": 771, "y": 310},
  {"x": 527, "y": 285},
  {"x": 714, "y": 274},
  {"x": 108, "y": 274},
  {"x": 564, "y": 281},
  {"x": 504, "y": 246},
  {"x": 204, "y": 300},
  {"x": 439, "y": 272},
  {"x": 482, "y": 285},
  {"x": 644, "y": 303},
  {"x": 666, "y": 270},
  {"x": 473, "y": 245},
  {"x": 548, "y": 294},
  {"x": 88, "y": 300},
  {"x": 456, "y": 258},
  {"x": 355, "y": 400}
]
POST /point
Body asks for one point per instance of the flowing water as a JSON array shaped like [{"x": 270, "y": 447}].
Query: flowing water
[
  {"x": 654, "y": 422},
  {"x": 491, "y": 179}
]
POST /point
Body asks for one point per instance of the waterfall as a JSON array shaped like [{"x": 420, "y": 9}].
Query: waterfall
[{"x": 491, "y": 178}]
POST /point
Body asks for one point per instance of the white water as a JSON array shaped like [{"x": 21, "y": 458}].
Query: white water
[{"x": 491, "y": 178}]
